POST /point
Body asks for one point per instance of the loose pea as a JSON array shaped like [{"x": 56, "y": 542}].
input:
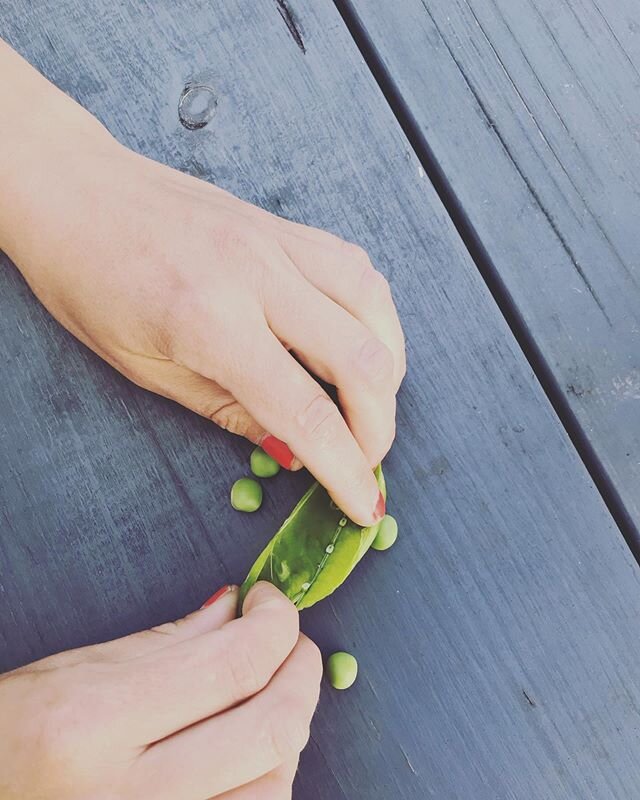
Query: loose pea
[
  {"x": 342, "y": 669},
  {"x": 387, "y": 533},
  {"x": 262, "y": 465},
  {"x": 246, "y": 495}
]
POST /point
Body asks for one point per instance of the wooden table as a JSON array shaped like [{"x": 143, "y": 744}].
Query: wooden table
[{"x": 487, "y": 154}]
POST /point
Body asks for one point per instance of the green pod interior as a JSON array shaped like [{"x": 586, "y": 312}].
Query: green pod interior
[{"x": 314, "y": 551}]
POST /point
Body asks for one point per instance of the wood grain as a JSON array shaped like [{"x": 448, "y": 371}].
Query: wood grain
[
  {"x": 530, "y": 109},
  {"x": 498, "y": 640}
]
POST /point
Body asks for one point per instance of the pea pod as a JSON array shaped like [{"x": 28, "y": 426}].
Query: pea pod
[{"x": 314, "y": 551}]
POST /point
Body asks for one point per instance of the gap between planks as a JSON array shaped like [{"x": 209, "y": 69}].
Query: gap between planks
[{"x": 481, "y": 258}]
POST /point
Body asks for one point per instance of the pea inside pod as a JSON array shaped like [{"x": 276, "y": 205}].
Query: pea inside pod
[{"x": 314, "y": 551}]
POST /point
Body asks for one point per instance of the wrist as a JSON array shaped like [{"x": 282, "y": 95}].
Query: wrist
[{"x": 43, "y": 134}]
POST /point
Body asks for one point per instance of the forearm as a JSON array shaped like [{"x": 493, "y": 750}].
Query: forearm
[{"x": 41, "y": 132}]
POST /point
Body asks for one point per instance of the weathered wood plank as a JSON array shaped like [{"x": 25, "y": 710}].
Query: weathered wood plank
[
  {"x": 498, "y": 641},
  {"x": 531, "y": 109}
]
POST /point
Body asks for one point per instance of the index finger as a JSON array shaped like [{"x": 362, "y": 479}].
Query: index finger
[
  {"x": 165, "y": 691},
  {"x": 288, "y": 402},
  {"x": 344, "y": 273},
  {"x": 250, "y": 741}
]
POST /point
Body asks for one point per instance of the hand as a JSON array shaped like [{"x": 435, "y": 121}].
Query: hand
[
  {"x": 205, "y": 707},
  {"x": 199, "y": 296}
]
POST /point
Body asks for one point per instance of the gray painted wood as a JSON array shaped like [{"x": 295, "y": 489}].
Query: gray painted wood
[
  {"x": 498, "y": 641},
  {"x": 531, "y": 109}
]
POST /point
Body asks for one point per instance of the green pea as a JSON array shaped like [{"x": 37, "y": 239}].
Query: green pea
[
  {"x": 262, "y": 465},
  {"x": 246, "y": 495},
  {"x": 341, "y": 670},
  {"x": 314, "y": 551},
  {"x": 387, "y": 533}
]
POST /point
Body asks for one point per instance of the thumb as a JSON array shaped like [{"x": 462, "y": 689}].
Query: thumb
[{"x": 166, "y": 690}]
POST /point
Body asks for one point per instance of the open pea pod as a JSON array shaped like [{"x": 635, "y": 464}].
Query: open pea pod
[{"x": 314, "y": 551}]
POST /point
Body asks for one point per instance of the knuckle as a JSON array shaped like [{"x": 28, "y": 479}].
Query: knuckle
[
  {"x": 176, "y": 318},
  {"x": 166, "y": 629},
  {"x": 357, "y": 255},
  {"x": 320, "y": 421},
  {"x": 247, "y": 678},
  {"x": 373, "y": 288},
  {"x": 390, "y": 438},
  {"x": 289, "y": 718},
  {"x": 59, "y": 732},
  {"x": 375, "y": 361},
  {"x": 288, "y": 622},
  {"x": 245, "y": 246},
  {"x": 60, "y": 722},
  {"x": 330, "y": 240},
  {"x": 313, "y": 661},
  {"x": 361, "y": 482},
  {"x": 176, "y": 313},
  {"x": 160, "y": 332},
  {"x": 385, "y": 445},
  {"x": 287, "y": 730},
  {"x": 402, "y": 367},
  {"x": 280, "y": 624},
  {"x": 229, "y": 234},
  {"x": 285, "y": 790},
  {"x": 230, "y": 417}
]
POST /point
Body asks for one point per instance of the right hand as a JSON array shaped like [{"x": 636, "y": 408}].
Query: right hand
[{"x": 210, "y": 706}]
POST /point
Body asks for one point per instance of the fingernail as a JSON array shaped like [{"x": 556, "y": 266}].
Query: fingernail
[
  {"x": 220, "y": 593},
  {"x": 278, "y": 450},
  {"x": 264, "y": 594},
  {"x": 380, "y": 508}
]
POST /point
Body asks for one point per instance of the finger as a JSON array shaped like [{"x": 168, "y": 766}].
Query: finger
[
  {"x": 164, "y": 691},
  {"x": 341, "y": 270},
  {"x": 344, "y": 272},
  {"x": 344, "y": 352},
  {"x": 324, "y": 258},
  {"x": 276, "y": 785},
  {"x": 207, "y": 398},
  {"x": 149, "y": 641},
  {"x": 204, "y": 620},
  {"x": 242, "y": 744},
  {"x": 197, "y": 393},
  {"x": 260, "y": 216},
  {"x": 286, "y": 400}
]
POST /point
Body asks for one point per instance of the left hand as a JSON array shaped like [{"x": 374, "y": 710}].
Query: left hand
[{"x": 197, "y": 295}]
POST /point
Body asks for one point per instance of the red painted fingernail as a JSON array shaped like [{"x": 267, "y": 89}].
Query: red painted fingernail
[
  {"x": 220, "y": 593},
  {"x": 380, "y": 508},
  {"x": 277, "y": 449}
]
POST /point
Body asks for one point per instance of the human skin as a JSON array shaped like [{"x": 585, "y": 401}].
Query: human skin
[
  {"x": 209, "y": 706},
  {"x": 199, "y": 296}
]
